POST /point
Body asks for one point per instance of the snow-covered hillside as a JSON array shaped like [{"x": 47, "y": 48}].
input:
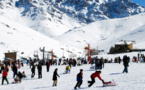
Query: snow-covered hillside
[
  {"x": 106, "y": 33},
  {"x": 17, "y": 37}
]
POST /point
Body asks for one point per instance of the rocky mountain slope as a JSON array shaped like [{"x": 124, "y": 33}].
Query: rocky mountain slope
[{"x": 54, "y": 17}]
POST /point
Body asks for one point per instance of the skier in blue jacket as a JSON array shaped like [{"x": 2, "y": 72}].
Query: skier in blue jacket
[{"x": 79, "y": 79}]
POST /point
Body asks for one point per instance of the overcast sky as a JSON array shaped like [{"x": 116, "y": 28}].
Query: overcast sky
[{"x": 140, "y": 2}]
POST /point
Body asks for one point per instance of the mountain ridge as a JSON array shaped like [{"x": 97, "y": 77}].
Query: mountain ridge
[{"x": 55, "y": 17}]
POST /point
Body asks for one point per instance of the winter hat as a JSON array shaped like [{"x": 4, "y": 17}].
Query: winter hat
[{"x": 81, "y": 69}]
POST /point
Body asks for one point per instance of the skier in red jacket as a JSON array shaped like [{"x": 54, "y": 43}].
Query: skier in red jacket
[
  {"x": 93, "y": 76},
  {"x": 47, "y": 66},
  {"x": 4, "y": 76}
]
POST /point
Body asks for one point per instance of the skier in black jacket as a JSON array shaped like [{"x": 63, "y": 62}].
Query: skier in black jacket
[
  {"x": 59, "y": 63},
  {"x": 15, "y": 70},
  {"x": 125, "y": 63},
  {"x": 39, "y": 67},
  {"x": 33, "y": 71},
  {"x": 79, "y": 79},
  {"x": 55, "y": 77}
]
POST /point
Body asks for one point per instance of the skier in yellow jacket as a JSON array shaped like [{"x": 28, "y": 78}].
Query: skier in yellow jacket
[{"x": 67, "y": 69}]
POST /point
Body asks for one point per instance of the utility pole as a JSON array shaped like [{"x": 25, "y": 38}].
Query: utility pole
[{"x": 43, "y": 51}]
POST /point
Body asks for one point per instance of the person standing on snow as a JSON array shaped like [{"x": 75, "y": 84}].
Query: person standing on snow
[
  {"x": 79, "y": 62},
  {"x": 138, "y": 55},
  {"x": 97, "y": 63},
  {"x": 103, "y": 62},
  {"x": 125, "y": 63},
  {"x": 79, "y": 79},
  {"x": 70, "y": 62},
  {"x": 39, "y": 67},
  {"x": 55, "y": 77},
  {"x": 59, "y": 63},
  {"x": 75, "y": 62},
  {"x": 19, "y": 64},
  {"x": 119, "y": 60},
  {"x": 33, "y": 71},
  {"x": 47, "y": 66},
  {"x": 93, "y": 76},
  {"x": 15, "y": 70},
  {"x": 22, "y": 63},
  {"x": 4, "y": 76}
]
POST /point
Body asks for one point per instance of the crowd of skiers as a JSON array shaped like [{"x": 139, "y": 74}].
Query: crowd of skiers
[{"x": 97, "y": 62}]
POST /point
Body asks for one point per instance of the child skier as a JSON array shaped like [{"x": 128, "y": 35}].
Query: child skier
[
  {"x": 79, "y": 79},
  {"x": 67, "y": 69},
  {"x": 4, "y": 76}
]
